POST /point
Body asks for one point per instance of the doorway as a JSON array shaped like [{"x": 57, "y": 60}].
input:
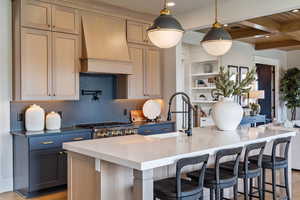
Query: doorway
[{"x": 266, "y": 82}]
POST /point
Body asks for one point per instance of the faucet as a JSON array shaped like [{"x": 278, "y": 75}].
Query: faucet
[{"x": 187, "y": 100}]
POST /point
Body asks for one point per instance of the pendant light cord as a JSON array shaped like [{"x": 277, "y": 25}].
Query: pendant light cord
[
  {"x": 165, "y": 4},
  {"x": 216, "y": 10}
]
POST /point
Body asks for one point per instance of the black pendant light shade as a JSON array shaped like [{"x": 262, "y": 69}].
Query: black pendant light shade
[
  {"x": 166, "y": 31},
  {"x": 217, "y": 34}
]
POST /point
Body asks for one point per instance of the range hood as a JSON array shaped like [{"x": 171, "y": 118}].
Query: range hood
[{"x": 105, "y": 48}]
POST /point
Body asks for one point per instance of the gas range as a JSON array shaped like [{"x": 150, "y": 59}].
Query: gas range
[{"x": 110, "y": 129}]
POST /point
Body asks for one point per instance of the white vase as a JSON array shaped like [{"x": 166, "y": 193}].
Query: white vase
[
  {"x": 53, "y": 121},
  {"x": 227, "y": 114},
  {"x": 35, "y": 118}
]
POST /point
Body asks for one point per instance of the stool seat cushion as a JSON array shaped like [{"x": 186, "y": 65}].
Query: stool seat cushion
[
  {"x": 226, "y": 178},
  {"x": 166, "y": 189},
  {"x": 253, "y": 169},
  {"x": 267, "y": 161}
]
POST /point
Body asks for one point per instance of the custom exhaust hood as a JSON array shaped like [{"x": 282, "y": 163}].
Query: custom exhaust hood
[{"x": 105, "y": 47}]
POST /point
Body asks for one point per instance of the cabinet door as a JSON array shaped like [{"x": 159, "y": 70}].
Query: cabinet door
[
  {"x": 135, "y": 32},
  {"x": 44, "y": 169},
  {"x": 152, "y": 73},
  {"x": 63, "y": 168},
  {"x": 65, "y": 20},
  {"x": 36, "y": 14},
  {"x": 35, "y": 65},
  {"x": 65, "y": 67},
  {"x": 136, "y": 80}
]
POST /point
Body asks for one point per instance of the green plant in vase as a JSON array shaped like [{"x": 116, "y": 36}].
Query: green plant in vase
[
  {"x": 290, "y": 90},
  {"x": 255, "y": 109},
  {"x": 226, "y": 113},
  {"x": 227, "y": 87}
]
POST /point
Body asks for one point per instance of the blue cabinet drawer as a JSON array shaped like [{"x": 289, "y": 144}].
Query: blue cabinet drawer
[
  {"x": 46, "y": 142},
  {"x": 77, "y": 137},
  {"x": 156, "y": 129}
]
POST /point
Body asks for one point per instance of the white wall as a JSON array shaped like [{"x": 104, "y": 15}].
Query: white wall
[
  {"x": 234, "y": 10},
  {"x": 5, "y": 88}
]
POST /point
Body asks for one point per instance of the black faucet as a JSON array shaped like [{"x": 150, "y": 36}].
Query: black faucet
[{"x": 186, "y": 99}]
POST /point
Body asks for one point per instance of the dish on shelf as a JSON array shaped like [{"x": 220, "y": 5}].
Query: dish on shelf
[{"x": 152, "y": 109}]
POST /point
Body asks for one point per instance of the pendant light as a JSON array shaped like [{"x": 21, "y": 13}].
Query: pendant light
[
  {"x": 217, "y": 41},
  {"x": 166, "y": 31}
]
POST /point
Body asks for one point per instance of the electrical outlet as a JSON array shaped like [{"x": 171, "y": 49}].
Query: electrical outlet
[
  {"x": 125, "y": 112},
  {"x": 20, "y": 117}
]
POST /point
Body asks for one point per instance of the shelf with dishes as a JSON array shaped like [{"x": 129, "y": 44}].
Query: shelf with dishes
[
  {"x": 204, "y": 88},
  {"x": 210, "y": 74}
]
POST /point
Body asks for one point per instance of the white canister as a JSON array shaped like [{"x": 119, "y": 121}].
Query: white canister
[
  {"x": 35, "y": 118},
  {"x": 53, "y": 121}
]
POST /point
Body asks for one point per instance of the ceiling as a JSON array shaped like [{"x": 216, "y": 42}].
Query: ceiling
[
  {"x": 154, "y": 6},
  {"x": 278, "y": 31}
]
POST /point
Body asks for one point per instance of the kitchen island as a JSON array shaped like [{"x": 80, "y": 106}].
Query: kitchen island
[{"x": 124, "y": 167}]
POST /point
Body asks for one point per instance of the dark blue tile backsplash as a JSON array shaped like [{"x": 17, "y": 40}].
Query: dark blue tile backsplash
[{"x": 85, "y": 110}]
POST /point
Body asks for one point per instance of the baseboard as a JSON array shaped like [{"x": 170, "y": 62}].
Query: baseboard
[{"x": 6, "y": 185}]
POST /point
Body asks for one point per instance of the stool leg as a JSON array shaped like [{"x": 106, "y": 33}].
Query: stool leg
[
  {"x": 222, "y": 194},
  {"x": 287, "y": 186},
  {"x": 274, "y": 184},
  {"x": 211, "y": 193},
  {"x": 263, "y": 183},
  {"x": 251, "y": 188},
  {"x": 235, "y": 192},
  {"x": 259, "y": 184},
  {"x": 246, "y": 193},
  {"x": 218, "y": 193}
]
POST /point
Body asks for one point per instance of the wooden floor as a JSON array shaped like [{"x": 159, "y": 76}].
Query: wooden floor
[{"x": 63, "y": 195}]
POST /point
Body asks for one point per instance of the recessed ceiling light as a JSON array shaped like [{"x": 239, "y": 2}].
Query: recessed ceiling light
[
  {"x": 295, "y": 11},
  {"x": 171, "y": 4},
  {"x": 258, "y": 36},
  {"x": 225, "y": 25},
  {"x": 267, "y": 36}
]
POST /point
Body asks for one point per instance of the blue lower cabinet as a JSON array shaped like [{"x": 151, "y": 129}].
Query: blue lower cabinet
[
  {"x": 156, "y": 128},
  {"x": 40, "y": 163}
]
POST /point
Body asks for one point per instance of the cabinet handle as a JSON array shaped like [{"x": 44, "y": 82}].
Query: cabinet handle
[
  {"x": 78, "y": 138},
  {"x": 47, "y": 142},
  {"x": 147, "y": 131},
  {"x": 53, "y": 26}
]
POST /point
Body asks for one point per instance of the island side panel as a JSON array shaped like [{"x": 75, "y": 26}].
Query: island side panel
[{"x": 83, "y": 179}]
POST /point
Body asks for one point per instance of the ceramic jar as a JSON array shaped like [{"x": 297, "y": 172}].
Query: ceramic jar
[
  {"x": 53, "y": 121},
  {"x": 227, "y": 114},
  {"x": 35, "y": 118}
]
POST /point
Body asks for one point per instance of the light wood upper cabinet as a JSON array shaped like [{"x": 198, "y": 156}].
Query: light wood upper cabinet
[
  {"x": 65, "y": 67},
  {"x": 49, "y": 17},
  {"x": 136, "y": 80},
  {"x": 36, "y": 14},
  {"x": 35, "y": 65},
  {"x": 65, "y": 20},
  {"x": 152, "y": 73},
  {"x": 137, "y": 32}
]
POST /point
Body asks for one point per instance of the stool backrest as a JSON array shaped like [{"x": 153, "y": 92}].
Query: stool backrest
[
  {"x": 188, "y": 162},
  {"x": 225, "y": 153},
  {"x": 281, "y": 141},
  {"x": 254, "y": 147}
]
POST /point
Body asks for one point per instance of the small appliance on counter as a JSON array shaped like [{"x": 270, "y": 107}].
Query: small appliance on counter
[
  {"x": 34, "y": 118},
  {"x": 53, "y": 121}
]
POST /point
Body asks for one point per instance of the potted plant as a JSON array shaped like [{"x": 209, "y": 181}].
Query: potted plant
[
  {"x": 290, "y": 90},
  {"x": 255, "y": 109},
  {"x": 226, "y": 113}
]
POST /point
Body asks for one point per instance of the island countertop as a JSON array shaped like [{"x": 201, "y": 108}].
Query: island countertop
[{"x": 149, "y": 152}]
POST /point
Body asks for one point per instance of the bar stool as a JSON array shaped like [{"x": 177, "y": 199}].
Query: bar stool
[
  {"x": 248, "y": 171},
  {"x": 217, "y": 179},
  {"x": 275, "y": 163},
  {"x": 181, "y": 189}
]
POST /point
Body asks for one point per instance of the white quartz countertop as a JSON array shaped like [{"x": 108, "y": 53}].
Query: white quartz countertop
[{"x": 148, "y": 152}]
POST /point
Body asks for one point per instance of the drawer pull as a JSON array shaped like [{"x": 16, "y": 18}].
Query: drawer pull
[
  {"x": 147, "y": 131},
  {"x": 47, "y": 142},
  {"x": 78, "y": 138}
]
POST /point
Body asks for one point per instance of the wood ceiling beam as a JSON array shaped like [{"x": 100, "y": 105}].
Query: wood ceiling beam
[
  {"x": 244, "y": 34},
  {"x": 263, "y": 24},
  {"x": 277, "y": 44},
  {"x": 290, "y": 27}
]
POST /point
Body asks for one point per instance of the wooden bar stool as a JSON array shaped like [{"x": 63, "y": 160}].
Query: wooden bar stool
[
  {"x": 181, "y": 189},
  {"x": 275, "y": 163},
  {"x": 217, "y": 179},
  {"x": 248, "y": 171}
]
